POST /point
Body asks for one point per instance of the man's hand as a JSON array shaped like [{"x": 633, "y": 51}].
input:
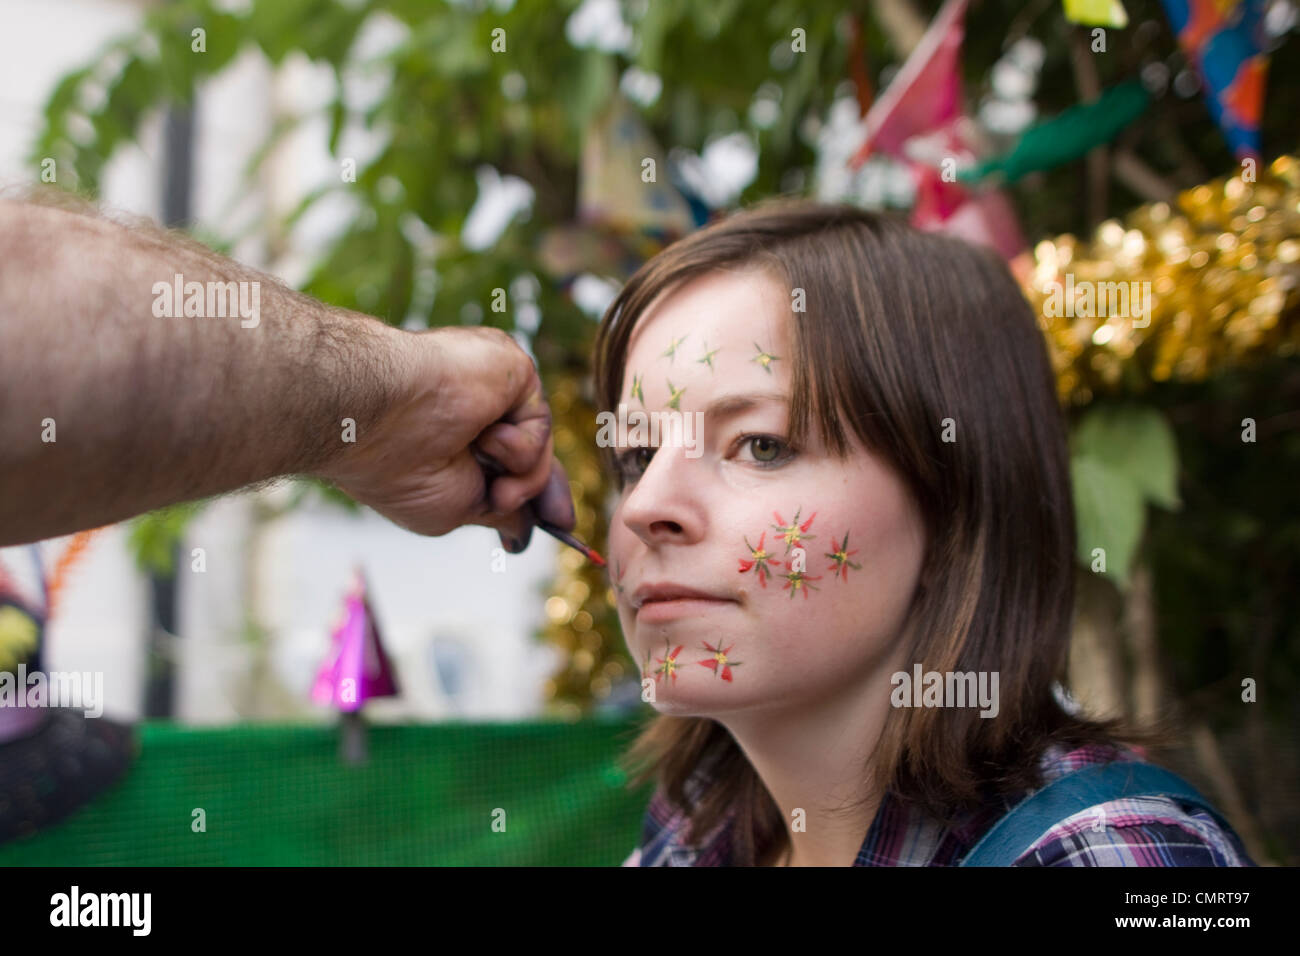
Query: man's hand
[
  {"x": 464, "y": 393},
  {"x": 109, "y": 408}
]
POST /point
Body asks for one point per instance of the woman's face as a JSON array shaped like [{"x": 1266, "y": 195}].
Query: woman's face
[{"x": 804, "y": 564}]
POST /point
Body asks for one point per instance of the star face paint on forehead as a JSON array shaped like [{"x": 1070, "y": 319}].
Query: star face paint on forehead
[
  {"x": 715, "y": 351},
  {"x": 765, "y": 358},
  {"x": 671, "y": 351}
]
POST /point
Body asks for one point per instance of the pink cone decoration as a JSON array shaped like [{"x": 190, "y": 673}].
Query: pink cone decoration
[{"x": 357, "y": 668}]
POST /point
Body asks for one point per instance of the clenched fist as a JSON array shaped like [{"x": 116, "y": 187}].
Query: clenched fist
[{"x": 466, "y": 395}]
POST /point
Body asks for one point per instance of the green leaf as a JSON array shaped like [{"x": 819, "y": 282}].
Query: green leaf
[
  {"x": 278, "y": 27},
  {"x": 154, "y": 536},
  {"x": 651, "y": 30},
  {"x": 1135, "y": 440},
  {"x": 592, "y": 85},
  {"x": 1110, "y": 513},
  {"x": 64, "y": 97},
  {"x": 225, "y": 37},
  {"x": 338, "y": 116}
]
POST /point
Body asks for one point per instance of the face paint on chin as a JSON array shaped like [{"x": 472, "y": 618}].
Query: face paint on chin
[
  {"x": 668, "y": 663},
  {"x": 718, "y": 660}
]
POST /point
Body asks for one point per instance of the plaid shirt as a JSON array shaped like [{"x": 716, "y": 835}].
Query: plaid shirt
[{"x": 1143, "y": 831}]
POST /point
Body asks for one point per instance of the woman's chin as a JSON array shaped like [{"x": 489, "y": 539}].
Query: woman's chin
[{"x": 698, "y": 698}]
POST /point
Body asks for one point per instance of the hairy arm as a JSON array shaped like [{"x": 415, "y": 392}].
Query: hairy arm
[{"x": 146, "y": 410}]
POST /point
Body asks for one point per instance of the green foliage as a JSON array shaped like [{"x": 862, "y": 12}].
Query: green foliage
[
  {"x": 445, "y": 113},
  {"x": 1122, "y": 457},
  {"x": 1226, "y": 566},
  {"x": 154, "y": 537}
]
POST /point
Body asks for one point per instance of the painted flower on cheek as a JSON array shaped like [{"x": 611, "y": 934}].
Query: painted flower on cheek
[
  {"x": 617, "y": 576},
  {"x": 792, "y": 533},
  {"x": 758, "y": 560},
  {"x": 840, "y": 559},
  {"x": 798, "y": 580}
]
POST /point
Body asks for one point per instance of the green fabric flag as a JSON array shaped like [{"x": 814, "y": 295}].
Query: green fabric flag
[{"x": 1066, "y": 137}]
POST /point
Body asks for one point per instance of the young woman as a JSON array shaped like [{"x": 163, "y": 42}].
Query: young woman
[{"x": 878, "y": 490}]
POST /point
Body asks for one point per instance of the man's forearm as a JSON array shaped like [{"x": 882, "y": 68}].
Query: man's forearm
[{"x": 107, "y": 384}]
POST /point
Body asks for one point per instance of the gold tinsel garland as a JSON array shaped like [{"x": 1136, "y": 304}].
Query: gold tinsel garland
[
  {"x": 1224, "y": 274},
  {"x": 580, "y": 616},
  {"x": 1224, "y": 271}
]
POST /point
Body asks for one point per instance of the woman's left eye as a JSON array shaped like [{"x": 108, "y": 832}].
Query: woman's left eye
[{"x": 767, "y": 449}]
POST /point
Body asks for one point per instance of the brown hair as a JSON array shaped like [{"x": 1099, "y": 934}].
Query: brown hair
[{"x": 902, "y": 330}]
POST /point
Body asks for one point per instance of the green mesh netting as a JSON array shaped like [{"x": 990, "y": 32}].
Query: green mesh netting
[{"x": 280, "y": 796}]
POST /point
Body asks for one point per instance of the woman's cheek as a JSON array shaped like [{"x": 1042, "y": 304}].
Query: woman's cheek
[
  {"x": 793, "y": 554},
  {"x": 798, "y": 568}
]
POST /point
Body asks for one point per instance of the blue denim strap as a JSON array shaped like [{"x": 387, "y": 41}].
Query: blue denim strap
[{"x": 1016, "y": 832}]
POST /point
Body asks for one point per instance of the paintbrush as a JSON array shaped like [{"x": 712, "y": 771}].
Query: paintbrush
[
  {"x": 561, "y": 535},
  {"x": 492, "y": 468}
]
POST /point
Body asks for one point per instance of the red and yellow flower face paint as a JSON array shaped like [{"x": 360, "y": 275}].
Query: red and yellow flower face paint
[
  {"x": 794, "y": 533},
  {"x": 718, "y": 660},
  {"x": 668, "y": 665},
  {"x": 839, "y": 556},
  {"x": 758, "y": 560}
]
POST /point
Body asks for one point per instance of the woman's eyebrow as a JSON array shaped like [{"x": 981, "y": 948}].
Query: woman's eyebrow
[{"x": 726, "y": 406}]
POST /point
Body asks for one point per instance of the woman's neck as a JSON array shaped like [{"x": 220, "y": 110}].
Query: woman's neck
[{"x": 815, "y": 759}]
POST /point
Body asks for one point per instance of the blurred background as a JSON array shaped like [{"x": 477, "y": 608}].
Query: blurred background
[{"x": 510, "y": 164}]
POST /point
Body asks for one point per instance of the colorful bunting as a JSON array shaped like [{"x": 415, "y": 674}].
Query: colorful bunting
[
  {"x": 1225, "y": 39},
  {"x": 1067, "y": 136},
  {"x": 919, "y": 118}
]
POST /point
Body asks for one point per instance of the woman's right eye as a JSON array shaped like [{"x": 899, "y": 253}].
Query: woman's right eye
[{"x": 630, "y": 463}]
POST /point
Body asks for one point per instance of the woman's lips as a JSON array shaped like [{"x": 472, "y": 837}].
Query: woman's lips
[
  {"x": 667, "y": 610},
  {"x": 666, "y": 600}
]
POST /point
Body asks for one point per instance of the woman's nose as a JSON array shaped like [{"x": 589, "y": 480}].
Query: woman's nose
[{"x": 666, "y": 504}]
